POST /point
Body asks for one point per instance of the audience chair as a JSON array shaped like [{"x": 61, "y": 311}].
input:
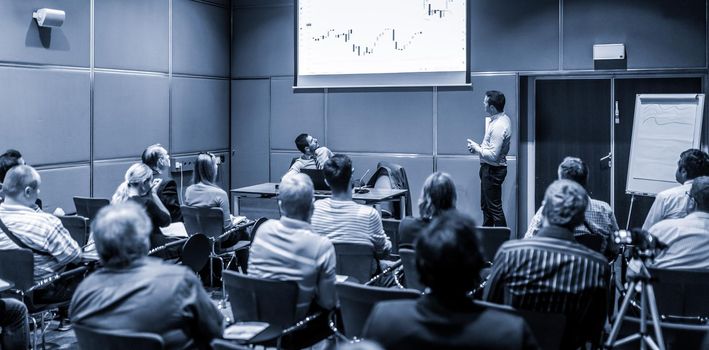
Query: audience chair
[
  {"x": 391, "y": 229},
  {"x": 195, "y": 252},
  {"x": 547, "y": 328},
  {"x": 222, "y": 344},
  {"x": 355, "y": 260},
  {"x": 357, "y": 302},
  {"x": 94, "y": 339},
  {"x": 682, "y": 294},
  {"x": 78, "y": 227},
  {"x": 408, "y": 260},
  {"x": 391, "y": 175},
  {"x": 492, "y": 238},
  {"x": 271, "y": 301},
  {"x": 591, "y": 241},
  {"x": 88, "y": 207},
  {"x": 17, "y": 266}
]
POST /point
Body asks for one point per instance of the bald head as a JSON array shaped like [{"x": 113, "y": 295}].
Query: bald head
[
  {"x": 700, "y": 193},
  {"x": 22, "y": 185},
  {"x": 295, "y": 196}
]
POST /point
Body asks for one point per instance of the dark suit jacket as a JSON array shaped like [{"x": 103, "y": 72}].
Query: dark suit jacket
[
  {"x": 167, "y": 192},
  {"x": 427, "y": 323}
]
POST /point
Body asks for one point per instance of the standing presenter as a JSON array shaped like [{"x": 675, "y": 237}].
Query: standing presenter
[{"x": 493, "y": 158}]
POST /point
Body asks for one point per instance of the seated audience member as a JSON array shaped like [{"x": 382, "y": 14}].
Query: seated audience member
[
  {"x": 137, "y": 293},
  {"x": 341, "y": 219},
  {"x": 138, "y": 187},
  {"x": 553, "y": 273},
  {"x": 288, "y": 249},
  {"x": 158, "y": 160},
  {"x": 15, "y": 332},
  {"x": 204, "y": 192},
  {"x": 8, "y": 160},
  {"x": 448, "y": 259},
  {"x": 27, "y": 227},
  {"x": 598, "y": 218},
  {"x": 314, "y": 156},
  {"x": 673, "y": 203},
  {"x": 437, "y": 196},
  {"x": 687, "y": 238}
]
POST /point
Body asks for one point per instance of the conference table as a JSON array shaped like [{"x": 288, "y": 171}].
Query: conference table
[{"x": 260, "y": 200}]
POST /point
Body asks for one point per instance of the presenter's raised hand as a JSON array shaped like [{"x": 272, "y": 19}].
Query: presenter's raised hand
[{"x": 473, "y": 147}]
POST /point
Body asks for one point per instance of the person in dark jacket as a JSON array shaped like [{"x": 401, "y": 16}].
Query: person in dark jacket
[
  {"x": 448, "y": 259},
  {"x": 158, "y": 160}
]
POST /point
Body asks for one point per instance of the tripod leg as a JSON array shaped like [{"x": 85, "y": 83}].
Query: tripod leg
[
  {"x": 619, "y": 318},
  {"x": 655, "y": 316}
]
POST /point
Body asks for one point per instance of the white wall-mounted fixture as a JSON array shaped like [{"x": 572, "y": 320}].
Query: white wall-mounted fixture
[
  {"x": 49, "y": 17},
  {"x": 608, "y": 52}
]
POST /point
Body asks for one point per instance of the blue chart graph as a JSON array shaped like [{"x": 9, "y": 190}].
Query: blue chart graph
[{"x": 381, "y": 36}]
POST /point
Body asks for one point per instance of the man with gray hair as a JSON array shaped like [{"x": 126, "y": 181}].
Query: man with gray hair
[
  {"x": 137, "y": 293},
  {"x": 289, "y": 250},
  {"x": 553, "y": 273}
]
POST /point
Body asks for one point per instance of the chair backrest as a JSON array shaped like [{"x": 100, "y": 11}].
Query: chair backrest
[
  {"x": 408, "y": 260},
  {"x": 17, "y": 266},
  {"x": 395, "y": 178},
  {"x": 94, "y": 339},
  {"x": 195, "y": 252},
  {"x": 221, "y": 344},
  {"x": 681, "y": 292},
  {"x": 205, "y": 220},
  {"x": 591, "y": 241},
  {"x": 256, "y": 225},
  {"x": 258, "y": 299},
  {"x": 78, "y": 227},
  {"x": 88, "y": 207},
  {"x": 356, "y": 260},
  {"x": 547, "y": 328},
  {"x": 357, "y": 302},
  {"x": 492, "y": 238}
]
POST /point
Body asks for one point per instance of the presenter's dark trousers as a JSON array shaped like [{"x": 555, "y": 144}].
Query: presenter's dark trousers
[{"x": 491, "y": 178}]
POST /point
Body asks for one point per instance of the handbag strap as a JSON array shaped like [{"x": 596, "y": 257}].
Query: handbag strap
[{"x": 18, "y": 242}]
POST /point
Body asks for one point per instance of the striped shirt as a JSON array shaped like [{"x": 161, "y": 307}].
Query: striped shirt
[
  {"x": 288, "y": 250},
  {"x": 599, "y": 220},
  {"x": 687, "y": 240},
  {"x": 552, "y": 273},
  {"x": 672, "y": 203},
  {"x": 43, "y": 232},
  {"x": 349, "y": 222}
]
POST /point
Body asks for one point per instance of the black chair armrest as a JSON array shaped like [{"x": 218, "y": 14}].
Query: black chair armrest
[
  {"x": 301, "y": 324},
  {"x": 387, "y": 270},
  {"x": 51, "y": 279},
  {"x": 166, "y": 246}
]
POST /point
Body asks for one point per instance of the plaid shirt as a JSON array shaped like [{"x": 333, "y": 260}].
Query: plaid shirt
[
  {"x": 600, "y": 220},
  {"x": 43, "y": 232}
]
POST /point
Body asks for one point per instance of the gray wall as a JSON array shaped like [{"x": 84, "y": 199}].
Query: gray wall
[
  {"x": 425, "y": 129},
  {"x": 83, "y": 111}
]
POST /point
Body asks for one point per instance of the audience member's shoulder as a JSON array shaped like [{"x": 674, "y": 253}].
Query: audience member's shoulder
[
  {"x": 602, "y": 204},
  {"x": 395, "y": 309}
]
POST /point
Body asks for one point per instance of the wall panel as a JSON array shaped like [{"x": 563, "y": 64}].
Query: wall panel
[
  {"x": 294, "y": 112},
  {"x": 200, "y": 114},
  {"x": 263, "y": 42},
  {"x": 45, "y": 114},
  {"x": 200, "y": 38},
  {"x": 130, "y": 113},
  {"x": 461, "y": 113},
  {"x": 132, "y": 34},
  {"x": 392, "y": 120},
  {"x": 60, "y": 185},
  {"x": 656, "y": 34},
  {"x": 250, "y": 114},
  {"x": 21, "y": 40},
  {"x": 108, "y": 175}
]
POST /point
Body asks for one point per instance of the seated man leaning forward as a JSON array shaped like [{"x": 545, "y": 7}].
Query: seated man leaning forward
[
  {"x": 341, "y": 219},
  {"x": 137, "y": 293},
  {"x": 288, "y": 250},
  {"x": 449, "y": 260},
  {"x": 314, "y": 156}
]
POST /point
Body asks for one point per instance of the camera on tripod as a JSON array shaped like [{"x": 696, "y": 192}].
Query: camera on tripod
[{"x": 642, "y": 244}]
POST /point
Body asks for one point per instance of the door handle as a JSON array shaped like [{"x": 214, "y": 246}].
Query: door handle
[{"x": 607, "y": 161}]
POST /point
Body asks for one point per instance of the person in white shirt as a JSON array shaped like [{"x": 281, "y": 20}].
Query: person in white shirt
[
  {"x": 687, "y": 239},
  {"x": 493, "y": 159},
  {"x": 314, "y": 156},
  {"x": 674, "y": 203}
]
